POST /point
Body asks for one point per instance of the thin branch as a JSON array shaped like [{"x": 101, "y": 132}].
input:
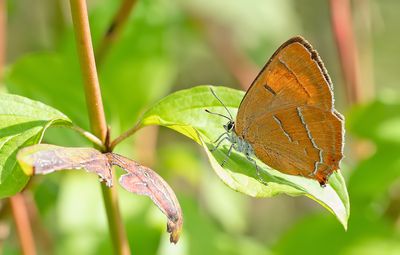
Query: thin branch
[
  {"x": 91, "y": 137},
  {"x": 114, "y": 30},
  {"x": 342, "y": 25},
  {"x": 124, "y": 135},
  {"x": 24, "y": 230},
  {"x": 97, "y": 117}
]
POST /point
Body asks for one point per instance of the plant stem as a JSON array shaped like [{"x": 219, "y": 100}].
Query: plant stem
[
  {"x": 43, "y": 239},
  {"x": 24, "y": 230},
  {"x": 112, "y": 34},
  {"x": 342, "y": 26},
  {"x": 114, "y": 30},
  {"x": 118, "y": 235},
  {"x": 88, "y": 68},
  {"x": 97, "y": 117},
  {"x": 91, "y": 137}
]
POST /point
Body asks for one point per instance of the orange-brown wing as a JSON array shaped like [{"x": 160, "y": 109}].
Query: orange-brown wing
[{"x": 287, "y": 114}]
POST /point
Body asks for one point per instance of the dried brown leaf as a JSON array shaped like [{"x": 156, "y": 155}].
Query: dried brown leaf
[
  {"x": 46, "y": 158},
  {"x": 144, "y": 181}
]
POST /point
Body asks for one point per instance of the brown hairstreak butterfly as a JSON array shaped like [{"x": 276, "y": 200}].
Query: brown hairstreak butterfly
[{"x": 287, "y": 117}]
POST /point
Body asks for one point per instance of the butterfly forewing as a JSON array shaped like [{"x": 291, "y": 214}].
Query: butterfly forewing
[{"x": 287, "y": 114}]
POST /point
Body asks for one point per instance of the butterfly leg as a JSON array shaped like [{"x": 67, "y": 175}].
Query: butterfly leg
[
  {"x": 228, "y": 155},
  {"x": 219, "y": 143},
  {"x": 260, "y": 178},
  {"x": 220, "y": 137}
]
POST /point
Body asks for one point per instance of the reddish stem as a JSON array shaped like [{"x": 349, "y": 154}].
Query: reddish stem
[
  {"x": 346, "y": 43},
  {"x": 21, "y": 218}
]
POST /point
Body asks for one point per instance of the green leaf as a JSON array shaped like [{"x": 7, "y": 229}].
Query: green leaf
[
  {"x": 22, "y": 122},
  {"x": 42, "y": 76},
  {"x": 184, "y": 111}
]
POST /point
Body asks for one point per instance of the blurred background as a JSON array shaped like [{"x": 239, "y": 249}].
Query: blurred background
[{"x": 168, "y": 45}]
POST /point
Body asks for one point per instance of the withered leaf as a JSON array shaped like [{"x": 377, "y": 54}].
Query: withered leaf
[
  {"x": 45, "y": 158},
  {"x": 144, "y": 181}
]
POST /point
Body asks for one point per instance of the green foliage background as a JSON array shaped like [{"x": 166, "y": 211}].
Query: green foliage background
[{"x": 164, "y": 48}]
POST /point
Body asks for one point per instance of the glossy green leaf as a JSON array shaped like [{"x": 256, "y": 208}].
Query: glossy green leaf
[
  {"x": 184, "y": 111},
  {"x": 53, "y": 79},
  {"x": 22, "y": 122}
]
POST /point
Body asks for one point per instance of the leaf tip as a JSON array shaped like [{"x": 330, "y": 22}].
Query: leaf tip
[
  {"x": 344, "y": 223},
  {"x": 144, "y": 181},
  {"x": 175, "y": 229}
]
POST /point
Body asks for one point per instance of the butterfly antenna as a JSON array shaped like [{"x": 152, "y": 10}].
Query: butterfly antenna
[
  {"x": 215, "y": 95},
  {"x": 218, "y": 114}
]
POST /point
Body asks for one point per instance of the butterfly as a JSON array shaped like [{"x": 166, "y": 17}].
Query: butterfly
[{"x": 287, "y": 117}]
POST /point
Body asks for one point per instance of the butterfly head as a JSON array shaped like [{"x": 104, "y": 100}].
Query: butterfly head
[{"x": 230, "y": 126}]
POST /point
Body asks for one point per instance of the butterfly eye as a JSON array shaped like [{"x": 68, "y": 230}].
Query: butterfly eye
[{"x": 230, "y": 125}]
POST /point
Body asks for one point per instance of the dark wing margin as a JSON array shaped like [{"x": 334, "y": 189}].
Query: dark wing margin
[{"x": 314, "y": 56}]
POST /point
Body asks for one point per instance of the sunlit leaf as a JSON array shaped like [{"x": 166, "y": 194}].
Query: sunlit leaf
[
  {"x": 22, "y": 122},
  {"x": 184, "y": 111},
  {"x": 43, "y": 76}
]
